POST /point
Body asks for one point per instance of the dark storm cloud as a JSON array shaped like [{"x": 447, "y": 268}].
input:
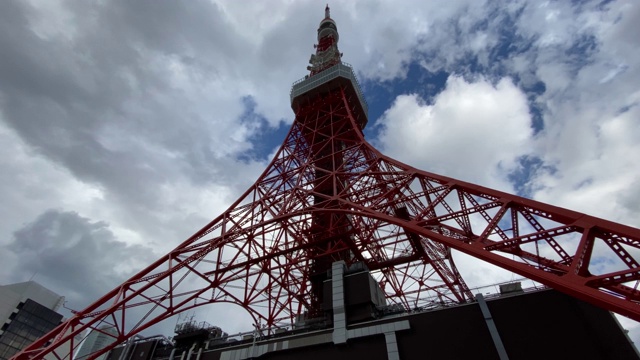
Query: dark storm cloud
[
  {"x": 73, "y": 256},
  {"x": 100, "y": 100}
]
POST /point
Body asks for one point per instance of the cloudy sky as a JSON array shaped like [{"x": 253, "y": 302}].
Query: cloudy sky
[{"x": 125, "y": 126}]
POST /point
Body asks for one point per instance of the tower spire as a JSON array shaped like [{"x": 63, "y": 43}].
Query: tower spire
[{"x": 327, "y": 53}]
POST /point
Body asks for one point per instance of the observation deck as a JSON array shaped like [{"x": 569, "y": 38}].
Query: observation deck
[{"x": 309, "y": 87}]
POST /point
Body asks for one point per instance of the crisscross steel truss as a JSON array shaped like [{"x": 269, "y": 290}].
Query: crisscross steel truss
[{"x": 330, "y": 195}]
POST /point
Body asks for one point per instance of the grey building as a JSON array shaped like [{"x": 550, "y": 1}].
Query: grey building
[{"x": 28, "y": 310}]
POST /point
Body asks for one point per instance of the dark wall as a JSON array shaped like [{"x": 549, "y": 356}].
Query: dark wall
[
  {"x": 454, "y": 333},
  {"x": 369, "y": 348},
  {"x": 552, "y": 325},
  {"x": 540, "y": 325}
]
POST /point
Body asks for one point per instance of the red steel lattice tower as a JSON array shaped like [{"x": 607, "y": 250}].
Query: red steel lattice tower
[{"x": 328, "y": 195}]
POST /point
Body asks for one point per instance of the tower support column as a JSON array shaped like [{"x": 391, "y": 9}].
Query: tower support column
[
  {"x": 337, "y": 292},
  {"x": 392, "y": 345},
  {"x": 493, "y": 330}
]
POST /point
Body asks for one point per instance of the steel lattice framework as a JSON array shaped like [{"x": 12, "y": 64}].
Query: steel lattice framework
[{"x": 329, "y": 195}]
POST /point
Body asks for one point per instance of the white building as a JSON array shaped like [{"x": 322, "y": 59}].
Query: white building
[{"x": 96, "y": 340}]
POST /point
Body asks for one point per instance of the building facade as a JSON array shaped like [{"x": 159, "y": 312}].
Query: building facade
[
  {"x": 96, "y": 340},
  {"x": 28, "y": 310}
]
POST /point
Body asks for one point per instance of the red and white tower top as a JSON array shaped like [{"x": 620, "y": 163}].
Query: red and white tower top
[{"x": 327, "y": 53}]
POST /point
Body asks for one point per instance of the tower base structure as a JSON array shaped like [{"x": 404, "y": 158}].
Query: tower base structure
[{"x": 537, "y": 323}]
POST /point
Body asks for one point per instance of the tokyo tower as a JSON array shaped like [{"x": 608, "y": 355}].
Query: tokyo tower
[{"x": 328, "y": 196}]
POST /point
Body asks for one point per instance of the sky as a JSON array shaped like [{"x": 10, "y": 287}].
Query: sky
[{"x": 126, "y": 126}]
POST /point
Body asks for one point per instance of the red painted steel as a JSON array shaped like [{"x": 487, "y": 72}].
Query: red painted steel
[{"x": 329, "y": 195}]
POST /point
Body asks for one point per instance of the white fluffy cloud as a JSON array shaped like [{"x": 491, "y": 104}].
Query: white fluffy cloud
[
  {"x": 595, "y": 164},
  {"x": 474, "y": 131},
  {"x": 589, "y": 143}
]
